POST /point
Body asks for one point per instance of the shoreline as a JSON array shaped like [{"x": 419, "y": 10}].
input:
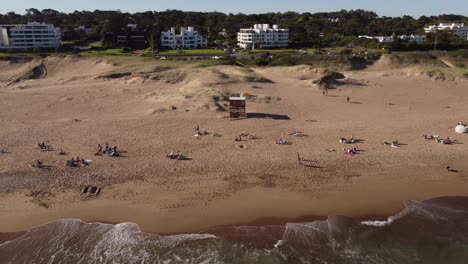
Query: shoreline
[{"x": 369, "y": 197}]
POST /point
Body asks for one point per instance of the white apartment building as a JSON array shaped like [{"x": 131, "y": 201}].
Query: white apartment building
[
  {"x": 31, "y": 35},
  {"x": 413, "y": 38},
  {"x": 389, "y": 39},
  {"x": 381, "y": 39},
  {"x": 187, "y": 39},
  {"x": 457, "y": 28},
  {"x": 263, "y": 36}
]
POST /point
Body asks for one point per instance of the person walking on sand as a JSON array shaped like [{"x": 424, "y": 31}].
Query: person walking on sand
[{"x": 347, "y": 99}]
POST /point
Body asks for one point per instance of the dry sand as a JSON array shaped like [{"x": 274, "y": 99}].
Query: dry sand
[{"x": 148, "y": 109}]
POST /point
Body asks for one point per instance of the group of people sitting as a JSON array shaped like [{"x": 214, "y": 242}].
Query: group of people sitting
[
  {"x": 281, "y": 142},
  {"x": 393, "y": 144},
  {"x": 199, "y": 133},
  {"x": 176, "y": 156},
  {"x": 77, "y": 162},
  {"x": 44, "y": 147},
  {"x": 350, "y": 140},
  {"x": 446, "y": 141},
  {"x": 108, "y": 151}
]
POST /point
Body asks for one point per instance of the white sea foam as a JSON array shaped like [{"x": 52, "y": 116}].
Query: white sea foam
[{"x": 378, "y": 223}]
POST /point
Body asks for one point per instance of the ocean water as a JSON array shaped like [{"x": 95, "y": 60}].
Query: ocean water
[{"x": 431, "y": 231}]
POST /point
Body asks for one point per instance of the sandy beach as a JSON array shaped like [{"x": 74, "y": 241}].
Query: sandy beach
[{"x": 149, "y": 108}]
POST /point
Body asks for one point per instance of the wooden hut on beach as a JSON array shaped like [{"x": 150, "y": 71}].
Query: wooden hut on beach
[{"x": 237, "y": 107}]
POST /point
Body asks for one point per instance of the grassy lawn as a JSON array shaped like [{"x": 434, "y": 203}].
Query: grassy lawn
[
  {"x": 189, "y": 52},
  {"x": 32, "y": 55},
  {"x": 271, "y": 51},
  {"x": 108, "y": 52},
  {"x": 96, "y": 44}
]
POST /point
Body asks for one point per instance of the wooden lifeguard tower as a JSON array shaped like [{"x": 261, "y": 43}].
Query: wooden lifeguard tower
[{"x": 237, "y": 107}]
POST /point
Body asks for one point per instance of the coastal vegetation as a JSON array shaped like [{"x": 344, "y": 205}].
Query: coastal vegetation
[{"x": 340, "y": 28}]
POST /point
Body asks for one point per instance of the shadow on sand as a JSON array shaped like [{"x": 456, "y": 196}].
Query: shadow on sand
[{"x": 270, "y": 116}]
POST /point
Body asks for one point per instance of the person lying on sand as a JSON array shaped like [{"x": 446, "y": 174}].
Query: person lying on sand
[
  {"x": 44, "y": 147},
  {"x": 176, "y": 156},
  {"x": 349, "y": 152},
  {"x": 295, "y": 134},
  {"x": 429, "y": 138},
  {"x": 351, "y": 140},
  {"x": 393, "y": 144},
  {"x": 113, "y": 152},
  {"x": 448, "y": 141},
  {"x": 281, "y": 141},
  {"x": 38, "y": 164}
]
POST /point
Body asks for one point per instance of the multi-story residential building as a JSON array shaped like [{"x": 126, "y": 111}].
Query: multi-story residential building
[
  {"x": 381, "y": 39},
  {"x": 413, "y": 38},
  {"x": 31, "y": 35},
  {"x": 457, "y": 28},
  {"x": 187, "y": 39},
  {"x": 389, "y": 39},
  {"x": 263, "y": 36}
]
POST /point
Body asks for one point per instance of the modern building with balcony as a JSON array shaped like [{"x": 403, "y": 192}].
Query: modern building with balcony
[
  {"x": 187, "y": 39},
  {"x": 263, "y": 36},
  {"x": 29, "y": 36},
  {"x": 457, "y": 28}
]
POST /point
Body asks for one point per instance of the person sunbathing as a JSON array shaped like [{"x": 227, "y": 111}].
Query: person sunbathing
[
  {"x": 251, "y": 136},
  {"x": 38, "y": 164},
  {"x": 447, "y": 141},
  {"x": 295, "y": 134},
  {"x": 428, "y": 138},
  {"x": 349, "y": 152},
  {"x": 281, "y": 141}
]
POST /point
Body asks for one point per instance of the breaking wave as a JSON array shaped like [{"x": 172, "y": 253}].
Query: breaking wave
[{"x": 431, "y": 231}]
